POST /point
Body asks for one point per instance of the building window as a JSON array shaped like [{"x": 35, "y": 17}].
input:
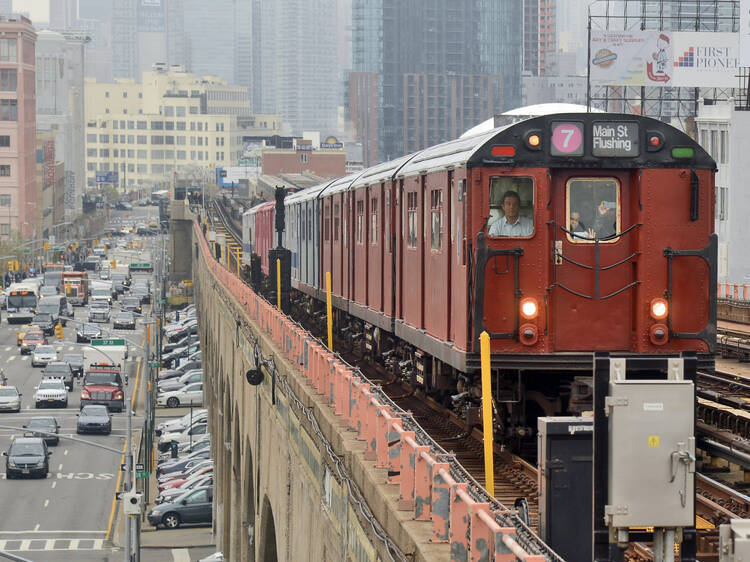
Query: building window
[
  {"x": 5, "y": 141},
  {"x": 131, "y": 124},
  {"x": 8, "y": 110},
  {"x": 91, "y": 152},
  {"x": 169, "y": 125},
  {"x": 91, "y": 166},
  {"x": 386, "y": 220},
  {"x": 143, "y": 125},
  {"x": 142, "y": 139},
  {"x": 142, "y": 168},
  {"x": 142, "y": 154},
  {"x": 104, "y": 153},
  {"x": 181, "y": 141},
  {"x": 8, "y": 79},
  {"x": 131, "y": 168},
  {"x": 131, "y": 139},
  {"x": 723, "y": 148},
  {"x": 181, "y": 125},
  {"x": 181, "y": 155},
  {"x": 157, "y": 168},
  {"x": 411, "y": 210},
  {"x": 5, "y": 229},
  {"x": 374, "y": 221},
  {"x": 5, "y": 170},
  {"x": 168, "y": 139},
  {"x": 8, "y": 50},
  {"x": 157, "y": 139},
  {"x": 303, "y": 158},
  {"x": 360, "y": 220},
  {"x": 180, "y": 112},
  {"x": 106, "y": 94},
  {"x": 157, "y": 125},
  {"x": 4, "y": 200},
  {"x": 168, "y": 111},
  {"x": 157, "y": 155},
  {"x": 131, "y": 153}
]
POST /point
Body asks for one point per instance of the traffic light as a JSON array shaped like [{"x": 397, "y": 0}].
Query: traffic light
[
  {"x": 59, "y": 331},
  {"x": 113, "y": 264},
  {"x": 46, "y": 246}
]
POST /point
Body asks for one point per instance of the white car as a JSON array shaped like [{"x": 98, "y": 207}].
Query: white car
[
  {"x": 51, "y": 392},
  {"x": 194, "y": 432},
  {"x": 42, "y": 355},
  {"x": 190, "y": 394},
  {"x": 99, "y": 311},
  {"x": 181, "y": 423}
]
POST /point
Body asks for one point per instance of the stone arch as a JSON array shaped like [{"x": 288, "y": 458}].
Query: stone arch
[
  {"x": 267, "y": 546},
  {"x": 234, "y": 499},
  {"x": 248, "y": 505}
]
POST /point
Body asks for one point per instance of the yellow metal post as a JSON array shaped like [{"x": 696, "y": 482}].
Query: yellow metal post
[
  {"x": 226, "y": 255},
  {"x": 278, "y": 283},
  {"x": 329, "y": 313},
  {"x": 489, "y": 473},
  {"x": 238, "y": 261}
]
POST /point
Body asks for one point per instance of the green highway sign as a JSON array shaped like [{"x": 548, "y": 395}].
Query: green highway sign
[
  {"x": 142, "y": 474},
  {"x": 154, "y": 364},
  {"x": 140, "y": 265},
  {"x": 27, "y": 251},
  {"x": 96, "y": 343}
]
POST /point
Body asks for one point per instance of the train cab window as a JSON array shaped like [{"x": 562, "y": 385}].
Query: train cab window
[
  {"x": 592, "y": 209},
  {"x": 511, "y": 207}
]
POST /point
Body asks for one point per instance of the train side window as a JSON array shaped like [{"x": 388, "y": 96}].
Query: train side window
[
  {"x": 436, "y": 212},
  {"x": 360, "y": 219},
  {"x": 336, "y": 222},
  {"x": 374, "y": 221},
  {"x": 592, "y": 207},
  {"x": 327, "y": 223},
  {"x": 411, "y": 210},
  {"x": 511, "y": 207},
  {"x": 387, "y": 220}
]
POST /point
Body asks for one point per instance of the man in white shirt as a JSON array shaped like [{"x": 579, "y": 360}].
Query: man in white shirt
[{"x": 512, "y": 224}]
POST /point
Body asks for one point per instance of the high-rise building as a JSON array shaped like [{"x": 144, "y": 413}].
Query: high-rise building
[
  {"x": 18, "y": 193},
  {"x": 95, "y": 18},
  {"x": 539, "y": 37},
  {"x": 6, "y": 6},
  {"x": 300, "y": 74},
  {"x": 441, "y": 67},
  {"x": 63, "y": 14}
]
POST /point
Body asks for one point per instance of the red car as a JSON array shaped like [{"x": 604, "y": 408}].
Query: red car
[
  {"x": 31, "y": 340},
  {"x": 180, "y": 478}
]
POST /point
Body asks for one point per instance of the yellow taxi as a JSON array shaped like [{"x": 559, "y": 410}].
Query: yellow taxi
[{"x": 21, "y": 332}]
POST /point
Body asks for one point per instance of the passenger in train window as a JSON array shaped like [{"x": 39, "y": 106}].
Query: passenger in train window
[
  {"x": 604, "y": 220},
  {"x": 576, "y": 225}
]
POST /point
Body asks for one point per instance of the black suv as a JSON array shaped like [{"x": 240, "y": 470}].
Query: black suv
[
  {"x": 27, "y": 456},
  {"x": 59, "y": 370},
  {"x": 45, "y": 322}
]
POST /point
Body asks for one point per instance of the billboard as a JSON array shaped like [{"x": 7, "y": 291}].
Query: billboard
[
  {"x": 49, "y": 163},
  {"x": 107, "y": 177},
  {"x": 664, "y": 58}
]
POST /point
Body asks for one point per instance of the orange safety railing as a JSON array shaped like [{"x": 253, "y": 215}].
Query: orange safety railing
[{"x": 426, "y": 487}]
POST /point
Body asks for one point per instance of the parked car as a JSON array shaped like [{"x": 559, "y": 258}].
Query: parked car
[
  {"x": 51, "y": 392},
  {"x": 174, "y": 480},
  {"x": 27, "y": 456},
  {"x": 181, "y": 370},
  {"x": 42, "y": 355},
  {"x": 180, "y": 382},
  {"x": 87, "y": 332},
  {"x": 94, "y": 418},
  {"x": 187, "y": 448},
  {"x": 184, "y": 342},
  {"x": 181, "y": 422},
  {"x": 194, "y": 506},
  {"x": 45, "y": 427},
  {"x": 182, "y": 463},
  {"x": 10, "y": 399},
  {"x": 189, "y": 484},
  {"x": 189, "y": 394},
  {"x": 196, "y": 430}
]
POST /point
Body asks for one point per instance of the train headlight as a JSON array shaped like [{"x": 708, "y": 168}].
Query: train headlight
[
  {"x": 659, "y": 309},
  {"x": 529, "y": 308}
]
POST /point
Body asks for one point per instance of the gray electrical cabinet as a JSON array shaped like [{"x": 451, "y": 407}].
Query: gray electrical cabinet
[
  {"x": 651, "y": 453},
  {"x": 565, "y": 447}
]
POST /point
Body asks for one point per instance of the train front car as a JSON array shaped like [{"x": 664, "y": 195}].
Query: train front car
[{"x": 591, "y": 232}]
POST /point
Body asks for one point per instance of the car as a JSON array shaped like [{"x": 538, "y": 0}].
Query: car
[
  {"x": 192, "y": 433},
  {"x": 27, "y": 456},
  {"x": 42, "y": 355},
  {"x": 192, "y": 358},
  {"x": 174, "y": 479},
  {"x": 100, "y": 251},
  {"x": 179, "y": 382},
  {"x": 101, "y": 294},
  {"x": 123, "y": 206},
  {"x": 45, "y": 322},
  {"x": 191, "y": 328},
  {"x": 141, "y": 293},
  {"x": 181, "y": 422},
  {"x": 59, "y": 370},
  {"x": 180, "y": 464},
  {"x": 94, "y": 418},
  {"x": 124, "y": 321},
  {"x": 10, "y": 399},
  {"x": 186, "y": 341},
  {"x": 31, "y": 340},
  {"x": 171, "y": 359},
  {"x": 45, "y": 427},
  {"x": 189, "y": 394},
  {"x": 179, "y": 371},
  {"x": 23, "y": 330},
  {"x": 75, "y": 360},
  {"x": 132, "y": 304},
  {"x": 51, "y": 392},
  {"x": 48, "y": 291},
  {"x": 189, "y": 484},
  {"x": 87, "y": 332},
  {"x": 99, "y": 311},
  {"x": 194, "y": 506},
  {"x": 187, "y": 448}
]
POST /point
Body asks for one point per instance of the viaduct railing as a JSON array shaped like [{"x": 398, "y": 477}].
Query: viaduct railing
[{"x": 432, "y": 485}]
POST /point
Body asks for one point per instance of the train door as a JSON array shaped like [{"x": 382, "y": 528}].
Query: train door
[
  {"x": 412, "y": 289},
  {"x": 594, "y": 270}
]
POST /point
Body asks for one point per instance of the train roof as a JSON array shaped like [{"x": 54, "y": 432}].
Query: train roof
[
  {"x": 604, "y": 140},
  {"x": 255, "y": 208},
  {"x": 343, "y": 183},
  {"x": 381, "y": 172}
]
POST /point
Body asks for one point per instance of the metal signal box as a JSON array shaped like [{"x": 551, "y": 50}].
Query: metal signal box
[{"x": 651, "y": 453}]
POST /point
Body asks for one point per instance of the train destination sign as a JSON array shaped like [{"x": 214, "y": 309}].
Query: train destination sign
[{"x": 615, "y": 139}]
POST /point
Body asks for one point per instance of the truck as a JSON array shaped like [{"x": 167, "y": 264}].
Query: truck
[
  {"x": 113, "y": 351},
  {"x": 102, "y": 384},
  {"x": 141, "y": 263},
  {"x": 76, "y": 287}
]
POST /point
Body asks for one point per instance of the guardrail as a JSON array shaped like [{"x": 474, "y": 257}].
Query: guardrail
[
  {"x": 734, "y": 291},
  {"x": 432, "y": 487}
]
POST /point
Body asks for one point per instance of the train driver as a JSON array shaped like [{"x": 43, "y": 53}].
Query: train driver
[{"x": 512, "y": 223}]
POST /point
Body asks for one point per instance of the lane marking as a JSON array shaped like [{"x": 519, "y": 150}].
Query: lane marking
[
  {"x": 36, "y": 528},
  {"x": 54, "y": 483},
  {"x": 59, "y": 468},
  {"x": 73, "y": 544},
  {"x": 180, "y": 555},
  {"x": 49, "y": 544},
  {"x": 12, "y": 357},
  {"x": 46, "y": 503},
  {"x": 65, "y": 452},
  {"x": 25, "y": 544}
]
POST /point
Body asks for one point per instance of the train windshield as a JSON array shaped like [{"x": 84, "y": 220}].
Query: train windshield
[
  {"x": 593, "y": 209},
  {"x": 511, "y": 207}
]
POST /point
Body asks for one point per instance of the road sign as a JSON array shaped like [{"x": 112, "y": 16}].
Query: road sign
[
  {"x": 96, "y": 343},
  {"x": 139, "y": 466},
  {"x": 154, "y": 364},
  {"x": 142, "y": 474},
  {"x": 27, "y": 251},
  {"x": 123, "y": 467}
]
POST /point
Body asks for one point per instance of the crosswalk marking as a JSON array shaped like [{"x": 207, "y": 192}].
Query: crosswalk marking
[
  {"x": 38, "y": 545},
  {"x": 8, "y": 348},
  {"x": 180, "y": 555}
]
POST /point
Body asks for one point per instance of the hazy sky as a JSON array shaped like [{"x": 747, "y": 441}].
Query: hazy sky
[{"x": 37, "y": 9}]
